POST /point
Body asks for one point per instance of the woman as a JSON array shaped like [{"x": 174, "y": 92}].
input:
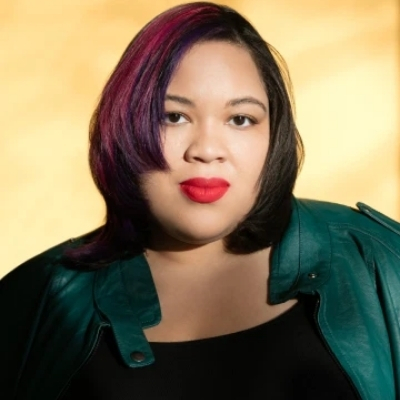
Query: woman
[{"x": 208, "y": 279}]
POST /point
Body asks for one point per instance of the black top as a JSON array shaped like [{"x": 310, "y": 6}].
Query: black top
[{"x": 282, "y": 359}]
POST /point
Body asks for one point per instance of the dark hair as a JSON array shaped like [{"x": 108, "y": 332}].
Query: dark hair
[{"x": 125, "y": 132}]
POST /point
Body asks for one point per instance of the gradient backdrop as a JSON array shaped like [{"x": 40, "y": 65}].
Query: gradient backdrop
[{"x": 56, "y": 56}]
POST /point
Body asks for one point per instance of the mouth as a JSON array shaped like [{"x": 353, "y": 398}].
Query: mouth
[{"x": 204, "y": 190}]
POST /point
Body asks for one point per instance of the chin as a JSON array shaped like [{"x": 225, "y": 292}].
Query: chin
[
  {"x": 190, "y": 230},
  {"x": 199, "y": 237}
]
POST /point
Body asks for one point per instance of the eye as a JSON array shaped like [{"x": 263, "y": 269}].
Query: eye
[
  {"x": 241, "y": 121},
  {"x": 174, "y": 118}
]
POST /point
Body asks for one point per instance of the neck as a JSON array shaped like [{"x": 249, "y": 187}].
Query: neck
[{"x": 207, "y": 257}]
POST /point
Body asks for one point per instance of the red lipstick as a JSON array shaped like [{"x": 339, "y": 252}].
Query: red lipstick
[{"x": 204, "y": 190}]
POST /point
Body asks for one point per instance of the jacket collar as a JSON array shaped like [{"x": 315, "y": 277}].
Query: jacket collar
[
  {"x": 301, "y": 261},
  {"x": 126, "y": 296}
]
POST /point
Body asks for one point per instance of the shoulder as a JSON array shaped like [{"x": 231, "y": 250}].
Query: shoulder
[
  {"x": 363, "y": 216},
  {"x": 342, "y": 221},
  {"x": 36, "y": 301},
  {"x": 48, "y": 267}
]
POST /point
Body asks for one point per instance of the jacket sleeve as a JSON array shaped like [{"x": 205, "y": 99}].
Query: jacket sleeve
[
  {"x": 387, "y": 271},
  {"x": 22, "y": 298},
  {"x": 385, "y": 258}
]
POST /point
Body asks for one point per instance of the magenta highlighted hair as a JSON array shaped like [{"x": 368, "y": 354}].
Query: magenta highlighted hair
[{"x": 125, "y": 128}]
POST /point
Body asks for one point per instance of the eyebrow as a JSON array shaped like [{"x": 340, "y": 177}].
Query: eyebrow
[
  {"x": 247, "y": 100},
  {"x": 232, "y": 103},
  {"x": 179, "y": 99}
]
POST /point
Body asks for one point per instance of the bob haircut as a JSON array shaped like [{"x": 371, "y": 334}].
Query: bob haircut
[{"x": 125, "y": 133}]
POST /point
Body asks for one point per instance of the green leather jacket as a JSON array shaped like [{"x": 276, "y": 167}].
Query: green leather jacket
[{"x": 349, "y": 259}]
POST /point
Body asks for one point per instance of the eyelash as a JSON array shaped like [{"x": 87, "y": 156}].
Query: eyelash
[
  {"x": 174, "y": 113},
  {"x": 252, "y": 121}
]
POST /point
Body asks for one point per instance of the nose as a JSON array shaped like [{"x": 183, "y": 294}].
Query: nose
[{"x": 206, "y": 145}]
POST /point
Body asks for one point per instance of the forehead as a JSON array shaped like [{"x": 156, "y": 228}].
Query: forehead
[{"x": 217, "y": 67}]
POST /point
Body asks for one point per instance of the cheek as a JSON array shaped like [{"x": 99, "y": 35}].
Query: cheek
[
  {"x": 156, "y": 187},
  {"x": 251, "y": 156},
  {"x": 174, "y": 147}
]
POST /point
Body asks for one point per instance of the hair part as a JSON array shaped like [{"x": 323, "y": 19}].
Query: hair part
[{"x": 125, "y": 140}]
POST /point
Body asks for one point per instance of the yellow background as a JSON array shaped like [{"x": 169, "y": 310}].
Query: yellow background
[{"x": 56, "y": 56}]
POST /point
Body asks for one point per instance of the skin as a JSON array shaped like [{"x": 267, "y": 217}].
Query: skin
[{"x": 208, "y": 132}]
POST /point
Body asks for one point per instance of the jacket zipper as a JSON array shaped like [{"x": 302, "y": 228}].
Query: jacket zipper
[
  {"x": 316, "y": 309},
  {"x": 99, "y": 335}
]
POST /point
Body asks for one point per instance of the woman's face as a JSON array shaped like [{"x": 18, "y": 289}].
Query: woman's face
[{"x": 216, "y": 129}]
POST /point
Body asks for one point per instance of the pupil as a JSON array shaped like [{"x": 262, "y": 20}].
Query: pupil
[
  {"x": 239, "y": 120},
  {"x": 174, "y": 117}
]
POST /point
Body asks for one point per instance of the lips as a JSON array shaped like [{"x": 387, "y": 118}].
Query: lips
[{"x": 204, "y": 190}]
